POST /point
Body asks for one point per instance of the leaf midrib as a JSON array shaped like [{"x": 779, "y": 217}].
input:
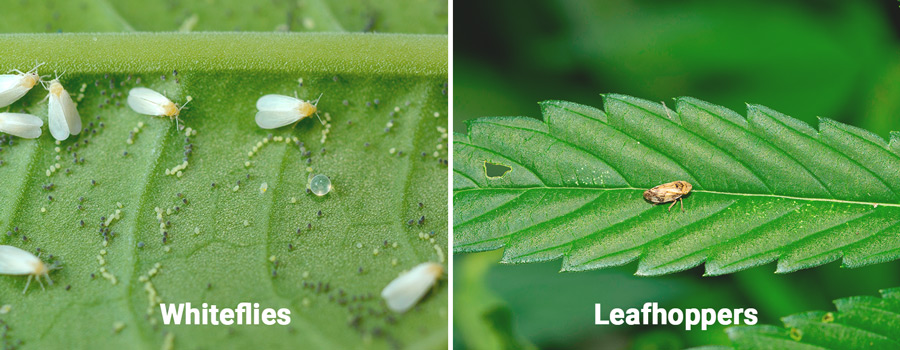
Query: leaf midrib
[
  {"x": 829, "y": 200},
  {"x": 400, "y": 55},
  {"x": 638, "y": 189}
]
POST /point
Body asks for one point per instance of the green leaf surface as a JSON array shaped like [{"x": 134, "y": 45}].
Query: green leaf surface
[
  {"x": 766, "y": 187},
  {"x": 862, "y": 322},
  {"x": 228, "y": 240}
]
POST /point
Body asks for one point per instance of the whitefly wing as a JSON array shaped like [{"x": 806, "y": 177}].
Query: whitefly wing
[
  {"x": 57, "y": 119},
  {"x": 278, "y": 103},
  {"x": 73, "y": 119},
  {"x": 147, "y": 101},
  {"x": 276, "y": 119},
  {"x": 15, "y": 261},
  {"x": 21, "y": 125},
  {"x": 11, "y": 88}
]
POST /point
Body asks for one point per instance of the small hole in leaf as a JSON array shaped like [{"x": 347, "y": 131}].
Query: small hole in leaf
[{"x": 493, "y": 170}]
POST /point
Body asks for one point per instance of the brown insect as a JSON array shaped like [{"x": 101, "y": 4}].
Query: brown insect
[{"x": 668, "y": 192}]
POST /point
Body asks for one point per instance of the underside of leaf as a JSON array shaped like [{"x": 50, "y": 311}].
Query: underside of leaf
[
  {"x": 766, "y": 188},
  {"x": 140, "y": 212}
]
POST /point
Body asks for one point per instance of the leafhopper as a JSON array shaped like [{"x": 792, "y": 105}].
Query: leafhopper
[{"x": 668, "y": 192}]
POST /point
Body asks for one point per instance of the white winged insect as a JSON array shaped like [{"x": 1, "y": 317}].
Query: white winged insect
[
  {"x": 150, "y": 102},
  {"x": 63, "y": 117},
  {"x": 405, "y": 291},
  {"x": 15, "y": 261},
  {"x": 25, "y": 126},
  {"x": 276, "y": 111},
  {"x": 14, "y": 86}
]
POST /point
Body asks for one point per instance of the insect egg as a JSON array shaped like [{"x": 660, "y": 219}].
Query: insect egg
[{"x": 320, "y": 185}]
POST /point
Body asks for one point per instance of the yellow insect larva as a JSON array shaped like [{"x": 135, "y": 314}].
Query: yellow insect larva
[
  {"x": 15, "y": 261},
  {"x": 25, "y": 126},
  {"x": 407, "y": 289},
  {"x": 668, "y": 192},
  {"x": 276, "y": 111},
  {"x": 63, "y": 116},
  {"x": 14, "y": 86}
]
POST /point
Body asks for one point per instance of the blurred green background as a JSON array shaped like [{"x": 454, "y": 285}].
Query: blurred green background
[{"x": 834, "y": 59}]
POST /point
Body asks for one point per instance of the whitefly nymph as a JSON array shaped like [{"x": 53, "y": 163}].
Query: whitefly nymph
[
  {"x": 22, "y": 125},
  {"x": 63, "y": 117},
  {"x": 14, "y": 86},
  {"x": 276, "y": 111},
  {"x": 405, "y": 291},
  {"x": 15, "y": 261}
]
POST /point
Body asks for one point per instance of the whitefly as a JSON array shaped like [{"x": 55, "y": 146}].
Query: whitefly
[
  {"x": 407, "y": 289},
  {"x": 14, "y": 86},
  {"x": 63, "y": 117},
  {"x": 15, "y": 261},
  {"x": 276, "y": 111}
]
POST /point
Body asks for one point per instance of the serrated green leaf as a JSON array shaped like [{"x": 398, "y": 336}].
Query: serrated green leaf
[
  {"x": 767, "y": 187},
  {"x": 862, "y": 322},
  {"x": 324, "y": 258}
]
